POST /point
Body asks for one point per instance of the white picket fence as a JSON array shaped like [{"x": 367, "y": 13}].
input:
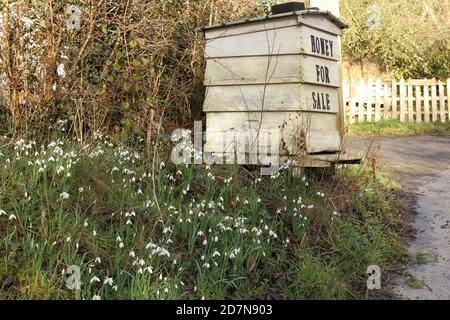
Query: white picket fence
[{"x": 413, "y": 100}]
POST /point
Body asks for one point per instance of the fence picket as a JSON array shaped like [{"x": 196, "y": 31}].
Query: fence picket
[
  {"x": 402, "y": 100},
  {"x": 361, "y": 100},
  {"x": 378, "y": 100},
  {"x": 433, "y": 103},
  {"x": 394, "y": 100},
  {"x": 418, "y": 105},
  {"x": 369, "y": 100},
  {"x": 448, "y": 99},
  {"x": 410, "y": 102},
  {"x": 441, "y": 102},
  {"x": 426, "y": 103},
  {"x": 386, "y": 101}
]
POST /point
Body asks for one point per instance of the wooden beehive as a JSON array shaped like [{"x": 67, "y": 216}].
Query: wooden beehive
[{"x": 276, "y": 72}]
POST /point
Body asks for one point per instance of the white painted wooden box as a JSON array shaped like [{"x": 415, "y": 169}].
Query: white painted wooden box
[{"x": 276, "y": 72}]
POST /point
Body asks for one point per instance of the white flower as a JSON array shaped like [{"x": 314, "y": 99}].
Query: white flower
[
  {"x": 121, "y": 245},
  {"x": 96, "y": 297},
  {"x": 12, "y": 217},
  {"x": 94, "y": 279},
  {"x": 205, "y": 242},
  {"x": 64, "y": 195},
  {"x": 81, "y": 190},
  {"x": 61, "y": 71},
  {"x": 68, "y": 239},
  {"x": 109, "y": 281},
  {"x": 98, "y": 260},
  {"x": 216, "y": 254},
  {"x": 94, "y": 233},
  {"x": 132, "y": 254}
]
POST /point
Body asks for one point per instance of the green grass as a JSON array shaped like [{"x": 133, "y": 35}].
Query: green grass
[
  {"x": 423, "y": 257},
  {"x": 395, "y": 127},
  {"x": 412, "y": 281},
  {"x": 186, "y": 232}
]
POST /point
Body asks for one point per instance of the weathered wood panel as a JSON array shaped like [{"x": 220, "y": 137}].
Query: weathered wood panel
[
  {"x": 320, "y": 22},
  {"x": 271, "y": 97},
  {"x": 271, "y": 69},
  {"x": 289, "y": 40},
  {"x": 320, "y": 129},
  {"x": 252, "y": 27},
  {"x": 269, "y": 42}
]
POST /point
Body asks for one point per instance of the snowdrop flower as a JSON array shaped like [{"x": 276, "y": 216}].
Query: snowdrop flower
[
  {"x": 98, "y": 260},
  {"x": 96, "y": 297},
  {"x": 64, "y": 195},
  {"x": 68, "y": 239},
  {"x": 132, "y": 254},
  {"x": 121, "y": 245},
  {"x": 216, "y": 254},
  {"x": 94, "y": 279},
  {"x": 81, "y": 190},
  {"x": 205, "y": 242},
  {"x": 12, "y": 217},
  {"x": 109, "y": 281}
]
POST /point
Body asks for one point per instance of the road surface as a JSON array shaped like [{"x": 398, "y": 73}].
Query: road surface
[{"x": 421, "y": 164}]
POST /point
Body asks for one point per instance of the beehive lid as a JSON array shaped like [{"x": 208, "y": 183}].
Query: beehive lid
[{"x": 308, "y": 12}]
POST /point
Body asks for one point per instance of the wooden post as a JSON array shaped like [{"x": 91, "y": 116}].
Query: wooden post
[
  {"x": 369, "y": 100},
  {"x": 410, "y": 102},
  {"x": 402, "y": 100},
  {"x": 434, "y": 103},
  {"x": 418, "y": 105},
  {"x": 377, "y": 100},
  {"x": 386, "y": 101},
  {"x": 441, "y": 102},
  {"x": 426, "y": 103},
  {"x": 394, "y": 113}
]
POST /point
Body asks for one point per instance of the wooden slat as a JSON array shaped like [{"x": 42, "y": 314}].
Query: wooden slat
[
  {"x": 386, "y": 101},
  {"x": 394, "y": 100},
  {"x": 352, "y": 111},
  {"x": 361, "y": 100},
  {"x": 369, "y": 100},
  {"x": 434, "y": 104},
  {"x": 426, "y": 103},
  {"x": 378, "y": 100},
  {"x": 410, "y": 103},
  {"x": 270, "y": 69},
  {"x": 422, "y": 82},
  {"x": 402, "y": 100},
  {"x": 441, "y": 102},
  {"x": 448, "y": 98},
  {"x": 271, "y": 97},
  {"x": 418, "y": 105}
]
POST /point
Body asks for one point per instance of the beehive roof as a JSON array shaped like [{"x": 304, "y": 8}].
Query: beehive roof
[{"x": 311, "y": 11}]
